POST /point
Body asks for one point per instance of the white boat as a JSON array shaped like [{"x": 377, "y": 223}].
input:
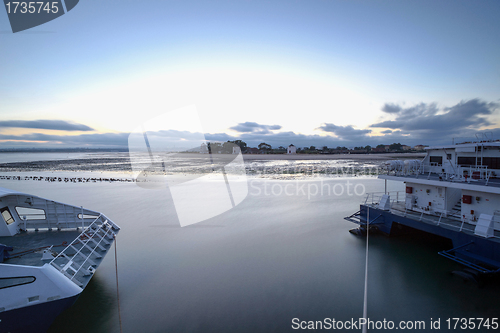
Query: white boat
[
  {"x": 454, "y": 192},
  {"x": 49, "y": 251}
]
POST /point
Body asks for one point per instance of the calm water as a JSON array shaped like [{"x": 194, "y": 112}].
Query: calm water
[
  {"x": 29, "y": 157},
  {"x": 254, "y": 268}
]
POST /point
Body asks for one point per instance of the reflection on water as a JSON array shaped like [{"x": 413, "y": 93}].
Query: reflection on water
[
  {"x": 410, "y": 262},
  {"x": 94, "y": 311}
]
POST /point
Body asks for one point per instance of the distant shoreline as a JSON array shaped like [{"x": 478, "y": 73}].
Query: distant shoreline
[
  {"x": 117, "y": 167},
  {"x": 250, "y": 157},
  {"x": 121, "y": 162},
  {"x": 387, "y": 156}
]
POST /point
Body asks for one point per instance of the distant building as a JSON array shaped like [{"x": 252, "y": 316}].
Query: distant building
[
  {"x": 292, "y": 150},
  {"x": 203, "y": 148},
  {"x": 405, "y": 147},
  {"x": 358, "y": 151},
  {"x": 419, "y": 147},
  {"x": 236, "y": 150},
  {"x": 252, "y": 150}
]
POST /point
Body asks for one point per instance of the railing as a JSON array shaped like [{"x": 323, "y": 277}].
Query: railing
[
  {"x": 433, "y": 217},
  {"x": 99, "y": 235},
  {"x": 37, "y": 213},
  {"x": 455, "y": 173},
  {"x": 395, "y": 196},
  {"x": 438, "y": 220},
  {"x": 477, "y": 138}
]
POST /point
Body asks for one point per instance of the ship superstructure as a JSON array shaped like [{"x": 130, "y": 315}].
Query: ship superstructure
[
  {"x": 49, "y": 251},
  {"x": 454, "y": 192}
]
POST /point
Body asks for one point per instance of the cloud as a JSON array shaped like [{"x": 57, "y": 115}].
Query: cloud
[
  {"x": 120, "y": 140},
  {"x": 428, "y": 118},
  {"x": 345, "y": 132},
  {"x": 391, "y": 108},
  {"x": 278, "y": 139},
  {"x": 252, "y": 127},
  {"x": 82, "y": 140},
  {"x": 424, "y": 123},
  {"x": 60, "y": 125},
  {"x": 175, "y": 134}
]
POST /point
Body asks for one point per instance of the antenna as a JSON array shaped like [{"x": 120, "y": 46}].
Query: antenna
[{"x": 484, "y": 136}]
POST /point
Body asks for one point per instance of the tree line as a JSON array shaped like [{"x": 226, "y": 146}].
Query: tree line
[{"x": 265, "y": 148}]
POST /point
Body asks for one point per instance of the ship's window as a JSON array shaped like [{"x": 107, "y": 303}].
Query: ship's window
[
  {"x": 448, "y": 156},
  {"x": 31, "y": 213},
  {"x": 6, "y": 215},
  {"x": 16, "y": 281},
  {"x": 491, "y": 162},
  {"x": 466, "y": 161},
  {"x": 85, "y": 216},
  {"x": 437, "y": 160},
  {"x": 33, "y": 298}
]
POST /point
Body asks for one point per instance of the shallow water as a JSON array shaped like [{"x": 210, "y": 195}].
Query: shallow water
[
  {"x": 11, "y": 157},
  {"x": 119, "y": 162},
  {"x": 254, "y": 268}
]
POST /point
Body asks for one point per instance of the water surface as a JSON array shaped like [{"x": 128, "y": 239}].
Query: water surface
[{"x": 254, "y": 268}]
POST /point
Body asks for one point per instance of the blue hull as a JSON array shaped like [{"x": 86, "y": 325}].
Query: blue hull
[
  {"x": 34, "y": 318},
  {"x": 467, "y": 248}
]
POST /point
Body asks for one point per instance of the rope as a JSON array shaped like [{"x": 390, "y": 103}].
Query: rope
[
  {"x": 365, "y": 297},
  {"x": 118, "y": 289},
  {"x": 22, "y": 253}
]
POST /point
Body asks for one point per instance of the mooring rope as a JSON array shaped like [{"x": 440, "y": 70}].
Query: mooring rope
[
  {"x": 365, "y": 298},
  {"x": 117, "y": 288}
]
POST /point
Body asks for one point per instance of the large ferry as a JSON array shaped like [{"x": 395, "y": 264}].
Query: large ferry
[
  {"x": 454, "y": 193},
  {"x": 49, "y": 251}
]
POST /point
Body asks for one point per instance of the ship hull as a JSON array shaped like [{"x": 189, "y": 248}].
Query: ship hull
[
  {"x": 34, "y": 318},
  {"x": 467, "y": 246}
]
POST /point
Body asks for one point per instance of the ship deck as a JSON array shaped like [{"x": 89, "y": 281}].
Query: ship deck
[
  {"x": 449, "y": 222},
  {"x": 28, "y": 246},
  {"x": 490, "y": 185}
]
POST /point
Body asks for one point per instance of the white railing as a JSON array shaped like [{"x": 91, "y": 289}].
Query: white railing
[
  {"x": 395, "y": 196},
  {"x": 455, "y": 173},
  {"x": 437, "y": 218},
  {"x": 97, "y": 236}
]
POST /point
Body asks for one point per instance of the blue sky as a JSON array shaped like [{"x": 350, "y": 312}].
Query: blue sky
[{"x": 317, "y": 72}]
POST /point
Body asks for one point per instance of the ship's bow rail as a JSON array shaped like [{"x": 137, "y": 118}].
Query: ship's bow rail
[{"x": 79, "y": 260}]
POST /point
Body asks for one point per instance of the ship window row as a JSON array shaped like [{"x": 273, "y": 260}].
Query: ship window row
[
  {"x": 490, "y": 162},
  {"x": 436, "y": 160},
  {"x": 465, "y": 161},
  {"x": 15, "y": 281},
  {"x": 31, "y": 213},
  {"x": 7, "y": 216}
]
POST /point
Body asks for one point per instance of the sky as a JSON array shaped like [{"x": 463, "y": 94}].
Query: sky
[{"x": 317, "y": 72}]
